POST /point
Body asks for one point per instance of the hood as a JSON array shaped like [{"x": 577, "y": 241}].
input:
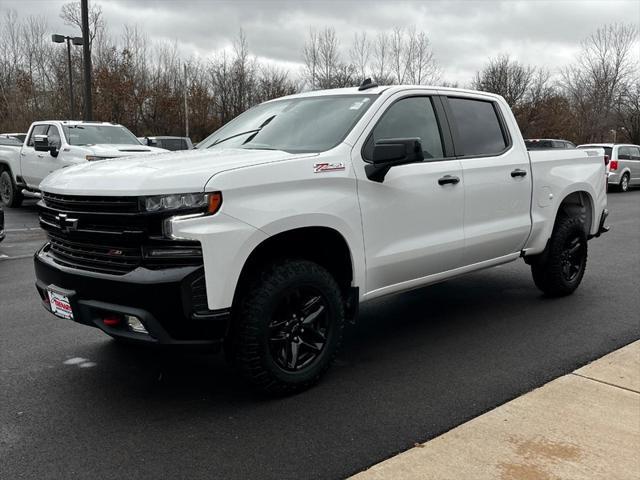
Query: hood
[
  {"x": 120, "y": 150},
  {"x": 152, "y": 174}
]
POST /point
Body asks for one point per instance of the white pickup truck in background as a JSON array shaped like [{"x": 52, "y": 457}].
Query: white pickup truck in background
[
  {"x": 52, "y": 145},
  {"x": 268, "y": 236}
]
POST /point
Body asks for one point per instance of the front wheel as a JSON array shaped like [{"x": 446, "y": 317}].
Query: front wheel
[
  {"x": 9, "y": 193},
  {"x": 559, "y": 270},
  {"x": 289, "y": 327}
]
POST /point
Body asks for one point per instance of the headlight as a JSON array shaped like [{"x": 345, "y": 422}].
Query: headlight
[
  {"x": 93, "y": 158},
  {"x": 208, "y": 203}
]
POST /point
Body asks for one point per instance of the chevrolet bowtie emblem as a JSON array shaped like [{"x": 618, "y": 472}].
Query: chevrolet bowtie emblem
[{"x": 67, "y": 224}]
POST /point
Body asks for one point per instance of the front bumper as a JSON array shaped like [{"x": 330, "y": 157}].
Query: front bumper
[{"x": 169, "y": 302}]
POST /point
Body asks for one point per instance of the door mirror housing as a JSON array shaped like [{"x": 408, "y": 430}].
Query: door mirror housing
[
  {"x": 391, "y": 152},
  {"x": 41, "y": 144}
]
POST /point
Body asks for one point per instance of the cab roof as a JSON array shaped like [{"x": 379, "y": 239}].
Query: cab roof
[{"x": 380, "y": 89}]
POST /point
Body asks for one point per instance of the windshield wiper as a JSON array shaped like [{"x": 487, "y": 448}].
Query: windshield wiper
[{"x": 254, "y": 131}]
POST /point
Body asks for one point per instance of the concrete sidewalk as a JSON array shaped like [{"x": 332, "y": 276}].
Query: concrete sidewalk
[{"x": 585, "y": 425}]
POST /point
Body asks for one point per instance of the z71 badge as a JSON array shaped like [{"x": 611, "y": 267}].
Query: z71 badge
[{"x": 327, "y": 167}]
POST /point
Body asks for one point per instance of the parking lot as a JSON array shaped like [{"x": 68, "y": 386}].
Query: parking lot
[{"x": 75, "y": 404}]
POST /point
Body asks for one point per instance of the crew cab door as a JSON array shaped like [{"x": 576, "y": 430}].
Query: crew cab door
[
  {"x": 37, "y": 165},
  {"x": 30, "y": 160},
  {"x": 497, "y": 178},
  {"x": 412, "y": 222}
]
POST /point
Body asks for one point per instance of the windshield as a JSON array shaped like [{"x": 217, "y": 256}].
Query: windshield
[
  {"x": 94, "y": 134},
  {"x": 309, "y": 124}
]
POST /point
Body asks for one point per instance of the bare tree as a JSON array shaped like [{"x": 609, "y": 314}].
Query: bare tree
[
  {"x": 600, "y": 75},
  {"x": 360, "y": 53},
  {"x": 323, "y": 65},
  {"x": 628, "y": 113},
  {"x": 505, "y": 77},
  {"x": 421, "y": 65},
  {"x": 381, "y": 59},
  {"x": 71, "y": 14}
]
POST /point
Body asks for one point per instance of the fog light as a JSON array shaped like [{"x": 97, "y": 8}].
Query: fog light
[{"x": 135, "y": 325}]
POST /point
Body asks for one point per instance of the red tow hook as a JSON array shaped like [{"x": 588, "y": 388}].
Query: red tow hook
[{"x": 111, "y": 320}]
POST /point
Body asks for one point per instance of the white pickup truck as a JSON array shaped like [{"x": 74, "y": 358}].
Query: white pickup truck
[
  {"x": 52, "y": 145},
  {"x": 267, "y": 237}
]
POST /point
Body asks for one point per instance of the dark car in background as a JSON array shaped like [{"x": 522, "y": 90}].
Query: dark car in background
[
  {"x": 168, "y": 143},
  {"x": 547, "y": 143}
]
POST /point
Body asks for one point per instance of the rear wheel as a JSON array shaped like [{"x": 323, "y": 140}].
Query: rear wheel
[
  {"x": 289, "y": 327},
  {"x": 9, "y": 193},
  {"x": 624, "y": 183},
  {"x": 559, "y": 270}
]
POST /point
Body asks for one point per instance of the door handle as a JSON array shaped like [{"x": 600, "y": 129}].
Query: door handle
[
  {"x": 448, "y": 179},
  {"x": 518, "y": 173}
]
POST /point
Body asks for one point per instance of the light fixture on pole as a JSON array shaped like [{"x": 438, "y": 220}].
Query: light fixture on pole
[{"x": 76, "y": 41}]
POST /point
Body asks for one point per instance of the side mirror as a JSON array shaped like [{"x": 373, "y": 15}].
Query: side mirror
[
  {"x": 41, "y": 144},
  {"x": 391, "y": 152}
]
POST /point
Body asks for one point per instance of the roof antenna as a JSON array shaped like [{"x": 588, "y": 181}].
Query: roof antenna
[{"x": 367, "y": 84}]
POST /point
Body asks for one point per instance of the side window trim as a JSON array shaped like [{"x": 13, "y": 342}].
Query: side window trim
[
  {"x": 457, "y": 144},
  {"x": 443, "y": 127}
]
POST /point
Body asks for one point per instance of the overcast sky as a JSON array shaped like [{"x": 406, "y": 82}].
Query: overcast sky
[{"x": 463, "y": 33}]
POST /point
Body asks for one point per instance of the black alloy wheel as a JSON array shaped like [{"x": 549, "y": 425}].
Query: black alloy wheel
[
  {"x": 299, "y": 328},
  {"x": 572, "y": 258}
]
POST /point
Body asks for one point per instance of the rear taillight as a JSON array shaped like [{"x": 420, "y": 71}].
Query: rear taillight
[
  {"x": 606, "y": 160},
  {"x": 613, "y": 165}
]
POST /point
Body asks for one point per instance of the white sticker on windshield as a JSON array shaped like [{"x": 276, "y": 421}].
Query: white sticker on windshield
[{"x": 356, "y": 105}]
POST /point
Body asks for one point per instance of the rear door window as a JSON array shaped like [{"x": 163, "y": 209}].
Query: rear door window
[
  {"x": 635, "y": 153},
  {"x": 479, "y": 129}
]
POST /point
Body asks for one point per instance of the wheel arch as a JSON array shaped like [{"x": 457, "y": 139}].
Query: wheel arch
[
  {"x": 322, "y": 244},
  {"x": 578, "y": 204}
]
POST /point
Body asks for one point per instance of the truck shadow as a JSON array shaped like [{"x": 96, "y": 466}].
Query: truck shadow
[{"x": 389, "y": 334}]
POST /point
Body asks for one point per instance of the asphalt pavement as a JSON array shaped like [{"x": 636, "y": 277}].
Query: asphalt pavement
[{"x": 75, "y": 404}]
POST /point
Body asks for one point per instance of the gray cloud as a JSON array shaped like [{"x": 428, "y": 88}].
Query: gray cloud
[{"x": 463, "y": 33}]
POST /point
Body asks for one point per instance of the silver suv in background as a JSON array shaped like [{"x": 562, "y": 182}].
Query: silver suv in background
[{"x": 623, "y": 170}]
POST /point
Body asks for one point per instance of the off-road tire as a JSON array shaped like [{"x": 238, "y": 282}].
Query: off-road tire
[
  {"x": 549, "y": 269},
  {"x": 249, "y": 347},
  {"x": 9, "y": 193}
]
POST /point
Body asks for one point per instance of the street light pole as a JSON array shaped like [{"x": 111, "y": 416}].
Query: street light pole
[
  {"x": 88, "y": 109},
  {"x": 186, "y": 106},
  {"x": 71, "y": 100},
  {"x": 76, "y": 41}
]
